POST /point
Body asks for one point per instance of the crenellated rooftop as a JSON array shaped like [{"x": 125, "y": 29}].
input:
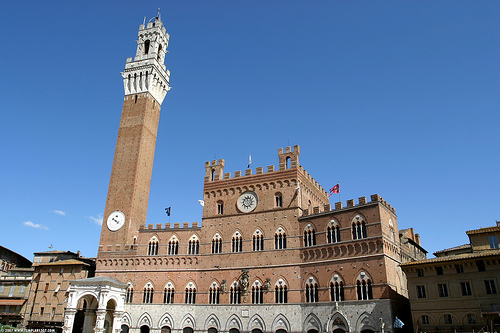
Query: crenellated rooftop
[
  {"x": 349, "y": 204},
  {"x": 288, "y": 160},
  {"x": 170, "y": 226}
]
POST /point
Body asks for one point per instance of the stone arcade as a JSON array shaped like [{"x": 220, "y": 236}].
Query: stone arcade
[{"x": 271, "y": 255}]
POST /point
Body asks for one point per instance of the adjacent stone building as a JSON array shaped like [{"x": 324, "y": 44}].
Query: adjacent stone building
[
  {"x": 459, "y": 289},
  {"x": 270, "y": 254},
  {"x": 15, "y": 278},
  {"x": 48, "y": 292}
]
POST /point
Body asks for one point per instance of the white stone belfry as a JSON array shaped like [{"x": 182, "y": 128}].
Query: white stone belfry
[
  {"x": 100, "y": 298},
  {"x": 147, "y": 71}
]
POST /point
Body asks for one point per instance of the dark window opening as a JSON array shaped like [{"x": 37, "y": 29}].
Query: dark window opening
[{"x": 480, "y": 265}]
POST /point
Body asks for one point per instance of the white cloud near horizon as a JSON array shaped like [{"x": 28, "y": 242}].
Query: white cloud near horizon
[
  {"x": 59, "y": 212},
  {"x": 97, "y": 220},
  {"x": 35, "y": 225}
]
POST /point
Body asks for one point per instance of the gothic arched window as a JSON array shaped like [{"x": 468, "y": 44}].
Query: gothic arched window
[
  {"x": 190, "y": 297},
  {"x": 148, "y": 293},
  {"x": 281, "y": 292},
  {"x": 153, "y": 246},
  {"x": 257, "y": 292},
  {"x": 358, "y": 227},
  {"x": 258, "y": 240},
  {"x": 336, "y": 288},
  {"x": 129, "y": 294},
  {"x": 278, "y": 199},
  {"x": 280, "y": 239},
  {"x": 214, "y": 293},
  {"x": 194, "y": 245},
  {"x": 311, "y": 290},
  {"x": 309, "y": 236},
  {"x": 364, "y": 287},
  {"x": 168, "y": 293},
  {"x": 333, "y": 232},
  {"x": 235, "y": 296},
  {"x": 237, "y": 242},
  {"x": 217, "y": 244},
  {"x": 173, "y": 245}
]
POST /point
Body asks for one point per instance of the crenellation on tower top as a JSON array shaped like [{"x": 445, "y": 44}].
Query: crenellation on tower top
[
  {"x": 214, "y": 170},
  {"x": 289, "y": 159}
]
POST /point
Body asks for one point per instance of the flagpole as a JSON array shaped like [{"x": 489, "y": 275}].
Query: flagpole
[
  {"x": 169, "y": 214},
  {"x": 338, "y": 182}
]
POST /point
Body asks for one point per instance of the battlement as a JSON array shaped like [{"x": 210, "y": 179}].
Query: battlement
[
  {"x": 170, "y": 226},
  {"x": 349, "y": 204},
  {"x": 214, "y": 170},
  {"x": 289, "y": 159}
]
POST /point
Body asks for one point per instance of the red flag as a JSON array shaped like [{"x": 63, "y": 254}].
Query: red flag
[{"x": 335, "y": 189}]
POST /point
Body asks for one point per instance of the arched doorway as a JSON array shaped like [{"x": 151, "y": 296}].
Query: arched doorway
[
  {"x": 338, "y": 330},
  {"x": 187, "y": 330},
  {"x": 234, "y": 330},
  {"x": 85, "y": 316},
  {"x": 281, "y": 331},
  {"x": 165, "y": 329},
  {"x": 313, "y": 331},
  {"x": 79, "y": 317},
  {"x": 124, "y": 329},
  {"x": 110, "y": 316},
  {"x": 212, "y": 330},
  {"x": 144, "y": 329}
]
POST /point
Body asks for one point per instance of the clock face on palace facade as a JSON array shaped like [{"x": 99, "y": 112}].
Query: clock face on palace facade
[{"x": 247, "y": 202}]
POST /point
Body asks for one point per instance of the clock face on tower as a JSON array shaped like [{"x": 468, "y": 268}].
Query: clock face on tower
[
  {"x": 116, "y": 220},
  {"x": 247, "y": 202}
]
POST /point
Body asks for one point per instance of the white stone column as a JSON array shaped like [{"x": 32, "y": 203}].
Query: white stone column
[
  {"x": 117, "y": 321},
  {"x": 99, "y": 322},
  {"x": 69, "y": 319}
]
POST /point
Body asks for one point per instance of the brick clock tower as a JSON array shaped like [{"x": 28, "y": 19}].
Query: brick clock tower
[{"x": 146, "y": 83}]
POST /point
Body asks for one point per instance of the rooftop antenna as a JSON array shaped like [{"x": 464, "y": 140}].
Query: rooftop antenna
[
  {"x": 159, "y": 15},
  {"x": 144, "y": 22}
]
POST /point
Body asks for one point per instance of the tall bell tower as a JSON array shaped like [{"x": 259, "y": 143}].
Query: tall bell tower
[{"x": 146, "y": 83}]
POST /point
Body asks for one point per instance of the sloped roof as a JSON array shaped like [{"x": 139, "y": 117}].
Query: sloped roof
[
  {"x": 55, "y": 252},
  {"x": 483, "y": 230},
  {"x": 479, "y": 254},
  {"x": 99, "y": 280},
  {"x": 459, "y": 247},
  {"x": 62, "y": 262},
  {"x": 23, "y": 262}
]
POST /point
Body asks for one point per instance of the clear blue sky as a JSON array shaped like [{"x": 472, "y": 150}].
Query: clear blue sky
[{"x": 399, "y": 98}]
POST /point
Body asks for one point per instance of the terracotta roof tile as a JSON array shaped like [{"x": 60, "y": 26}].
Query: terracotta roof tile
[
  {"x": 482, "y": 230},
  {"x": 459, "y": 247},
  {"x": 462, "y": 256},
  {"x": 62, "y": 262}
]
